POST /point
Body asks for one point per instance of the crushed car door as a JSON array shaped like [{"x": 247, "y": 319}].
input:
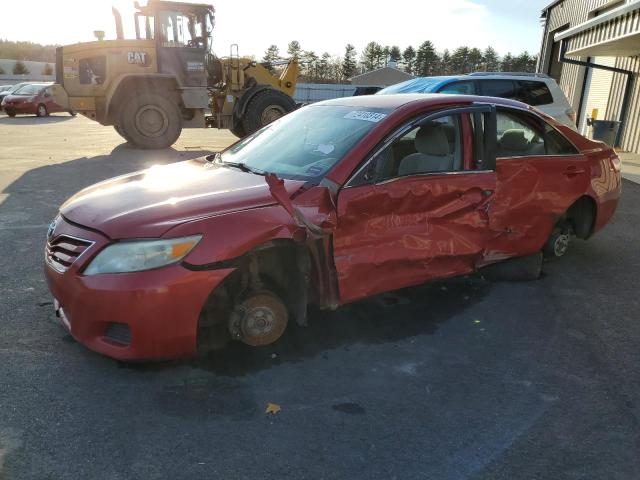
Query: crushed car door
[
  {"x": 539, "y": 175},
  {"x": 417, "y": 208}
]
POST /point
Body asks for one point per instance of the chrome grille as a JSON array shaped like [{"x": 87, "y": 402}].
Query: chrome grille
[{"x": 62, "y": 251}]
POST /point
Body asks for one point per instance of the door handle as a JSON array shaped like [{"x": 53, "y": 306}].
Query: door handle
[{"x": 573, "y": 171}]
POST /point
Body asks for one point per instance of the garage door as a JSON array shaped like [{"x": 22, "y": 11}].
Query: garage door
[{"x": 597, "y": 90}]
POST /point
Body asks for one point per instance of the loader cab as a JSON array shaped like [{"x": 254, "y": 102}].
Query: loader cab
[{"x": 182, "y": 33}]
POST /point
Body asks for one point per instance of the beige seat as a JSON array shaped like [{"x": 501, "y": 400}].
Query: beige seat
[
  {"x": 513, "y": 143},
  {"x": 433, "y": 152}
]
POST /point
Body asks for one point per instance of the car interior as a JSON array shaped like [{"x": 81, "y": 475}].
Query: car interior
[
  {"x": 516, "y": 138},
  {"x": 430, "y": 148}
]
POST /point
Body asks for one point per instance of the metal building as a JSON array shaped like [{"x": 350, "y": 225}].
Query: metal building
[{"x": 592, "y": 48}]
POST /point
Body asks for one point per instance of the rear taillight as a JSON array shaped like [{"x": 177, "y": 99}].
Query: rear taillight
[
  {"x": 571, "y": 113},
  {"x": 616, "y": 164}
]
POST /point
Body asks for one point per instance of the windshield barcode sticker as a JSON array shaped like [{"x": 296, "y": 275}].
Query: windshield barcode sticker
[{"x": 366, "y": 116}]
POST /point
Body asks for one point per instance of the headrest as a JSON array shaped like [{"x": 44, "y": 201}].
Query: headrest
[
  {"x": 431, "y": 139},
  {"x": 514, "y": 140}
]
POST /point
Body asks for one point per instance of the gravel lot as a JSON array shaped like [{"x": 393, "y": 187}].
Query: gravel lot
[{"x": 463, "y": 379}]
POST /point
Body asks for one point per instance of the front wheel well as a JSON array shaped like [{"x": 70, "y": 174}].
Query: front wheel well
[
  {"x": 581, "y": 215},
  {"x": 282, "y": 267}
]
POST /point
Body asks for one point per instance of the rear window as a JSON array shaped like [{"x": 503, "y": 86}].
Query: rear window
[{"x": 534, "y": 93}]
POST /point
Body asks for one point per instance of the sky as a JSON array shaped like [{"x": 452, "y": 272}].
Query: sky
[{"x": 321, "y": 25}]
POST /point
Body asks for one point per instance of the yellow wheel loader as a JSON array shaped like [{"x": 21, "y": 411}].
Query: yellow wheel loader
[{"x": 167, "y": 79}]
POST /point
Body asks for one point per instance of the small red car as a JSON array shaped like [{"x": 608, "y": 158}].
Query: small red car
[
  {"x": 332, "y": 203},
  {"x": 32, "y": 99}
]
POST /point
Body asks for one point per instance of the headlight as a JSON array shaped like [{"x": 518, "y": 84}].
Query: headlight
[{"x": 136, "y": 256}]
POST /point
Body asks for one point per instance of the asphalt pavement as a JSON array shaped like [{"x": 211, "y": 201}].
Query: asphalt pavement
[{"x": 461, "y": 379}]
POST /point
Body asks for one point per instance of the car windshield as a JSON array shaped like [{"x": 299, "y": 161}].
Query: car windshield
[
  {"x": 305, "y": 144},
  {"x": 28, "y": 90}
]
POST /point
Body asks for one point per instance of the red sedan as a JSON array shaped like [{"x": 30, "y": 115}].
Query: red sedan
[
  {"x": 332, "y": 203},
  {"x": 32, "y": 99}
]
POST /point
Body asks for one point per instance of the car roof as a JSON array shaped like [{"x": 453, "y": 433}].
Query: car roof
[
  {"x": 431, "y": 84},
  {"x": 394, "y": 101}
]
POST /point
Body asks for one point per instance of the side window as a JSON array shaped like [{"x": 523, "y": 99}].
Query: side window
[
  {"x": 535, "y": 93},
  {"x": 433, "y": 146},
  {"x": 556, "y": 144},
  {"x": 498, "y": 88},
  {"x": 516, "y": 137},
  {"x": 521, "y": 135},
  {"x": 145, "y": 26},
  {"x": 461, "y": 88}
]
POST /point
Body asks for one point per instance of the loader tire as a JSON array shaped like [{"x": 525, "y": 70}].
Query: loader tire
[
  {"x": 238, "y": 130},
  {"x": 120, "y": 132},
  {"x": 150, "y": 121},
  {"x": 265, "y": 107}
]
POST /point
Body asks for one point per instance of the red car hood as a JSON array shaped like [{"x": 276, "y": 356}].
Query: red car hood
[{"x": 150, "y": 202}]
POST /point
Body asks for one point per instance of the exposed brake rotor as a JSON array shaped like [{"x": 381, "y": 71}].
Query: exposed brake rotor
[{"x": 259, "y": 319}]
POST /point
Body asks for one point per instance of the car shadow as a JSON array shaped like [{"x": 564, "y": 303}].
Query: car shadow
[
  {"x": 51, "y": 185},
  {"x": 385, "y": 318},
  {"x": 35, "y": 120}
]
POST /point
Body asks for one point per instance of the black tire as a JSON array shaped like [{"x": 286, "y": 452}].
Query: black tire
[
  {"x": 11, "y": 113},
  {"x": 150, "y": 121},
  {"x": 72, "y": 113},
  {"x": 238, "y": 130},
  {"x": 558, "y": 242},
  {"x": 120, "y": 132},
  {"x": 265, "y": 107},
  {"x": 41, "y": 110}
]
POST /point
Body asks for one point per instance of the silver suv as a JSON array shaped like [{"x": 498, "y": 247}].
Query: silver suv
[{"x": 536, "y": 89}]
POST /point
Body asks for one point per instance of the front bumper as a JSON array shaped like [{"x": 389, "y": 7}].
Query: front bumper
[
  {"x": 21, "y": 108},
  {"x": 160, "y": 307}
]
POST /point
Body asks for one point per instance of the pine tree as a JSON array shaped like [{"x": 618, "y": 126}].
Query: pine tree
[
  {"x": 270, "y": 56},
  {"x": 394, "y": 54},
  {"x": 491, "y": 60},
  {"x": 409, "y": 59},
  {"x": 310, "y": 65},
  {"x": 294, "y": 49},
  {"x": 348, "y": 67},
  {"x": 460, "y": 60},
  {"x": 445, "y": 63},
  {"x": 426, "y": 60},
  {"x": 507, "y": 63},
  {"x": 372, "y": 56},
  {"x": 475, "y": 60},
  {"x": 524, "y": 63},
  {"x": 20, "y": 69},
  {"x": 323, "y": 67}
]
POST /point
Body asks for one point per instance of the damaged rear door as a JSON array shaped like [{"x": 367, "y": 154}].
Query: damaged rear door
[{"x": 418, "y": 207}]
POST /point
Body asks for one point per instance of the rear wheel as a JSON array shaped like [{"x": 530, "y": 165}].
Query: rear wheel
[
  {"x": 558, "y": 243},
  {"x": 72, "y": 113},
  {"x": 150, "y": 121},
  {"x": 41, "y": 111},
  {"x": 265, "y": 107},
  {"x": 11, "y": 113}
]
